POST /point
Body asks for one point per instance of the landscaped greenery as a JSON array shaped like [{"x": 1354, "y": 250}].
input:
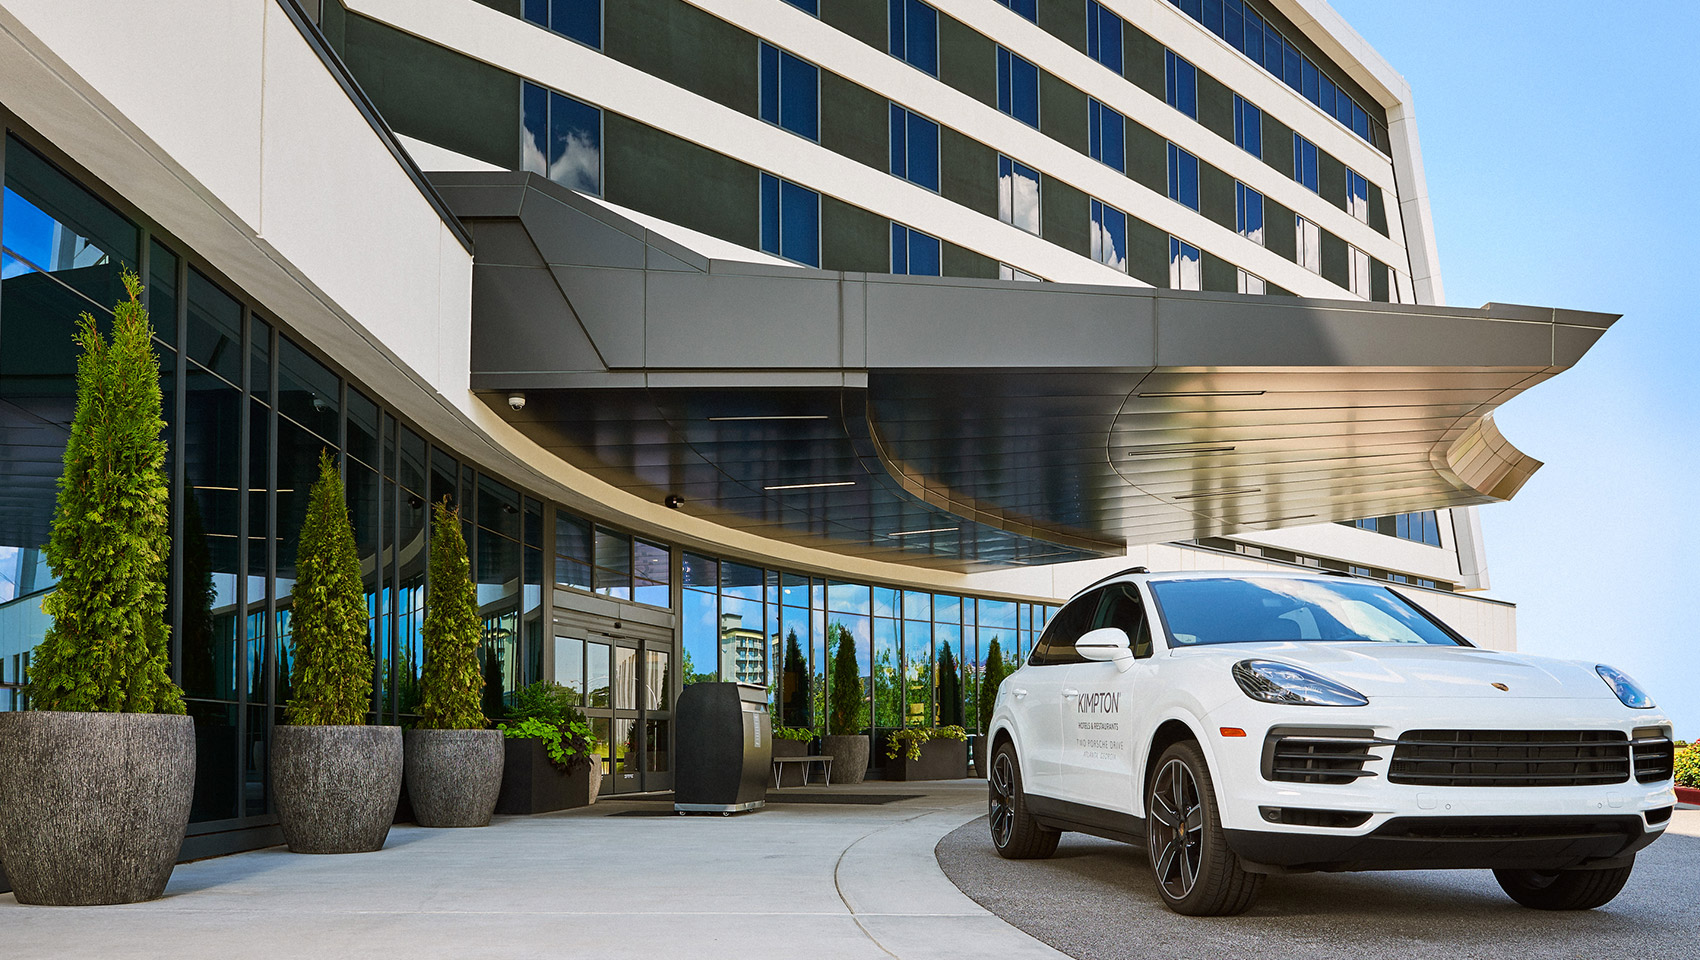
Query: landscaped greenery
[
  {"x": 332, "y": 673},
  {"x": 549, "y": 712},
  {"x": 1688, "y": 766},
  {"x": 107, "y": 648},
  {"x": 908, "y": 742},
  {"x": 451, "y": 682},
  {"x": 849, "y": 708},
  {"x": 950, "y": 689},
  {"x": 793, "y": 733}
]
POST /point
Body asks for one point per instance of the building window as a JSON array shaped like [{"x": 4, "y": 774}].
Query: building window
[
  {"x": 1103, "y": 35},
  {"x": 1018, "y": 194},
  {"x": 1248, "y": 127},
  {"x": 578, "y": 19},
  {"x": 1184, "y": 270},
  {"x": 1105, "y": 135},
  {"x": 1359, "y": 281},
  {"x": 562, "y": 139},
  {"x": 1180, "y": 84},
  {"x": 914, "y": 32},
  {"x": 913, "y": 252},
  {"x": 790, "y": 92},
  {"x": 790, "y": 220},
  {"x": 1109, "y": 235},
  {"x": 1018, "y": 88},
  {"x": 810, "y": 7},
  {"x": 1183, "y": 177},
  {"x": 1357, "y": 195},
  {"x": 1423, "y": 527},
  {"x": 1309, "y": 244},
  {"x": 1251, "y": 283},
  {"x": 914, "y": 148},
  {"x": 1248, "y": 212},
  {"x": 1304, "y": 162},
  {"x": 1007, "y": 272},
  {"x": 1025, "y": 8}
]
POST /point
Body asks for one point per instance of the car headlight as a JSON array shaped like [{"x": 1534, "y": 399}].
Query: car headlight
[
  {"x": 1274, "y": 682},
  {"x": 1627, "y": 690}
]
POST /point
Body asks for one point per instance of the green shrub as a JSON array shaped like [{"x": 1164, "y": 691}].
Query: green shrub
[
  {"x": 793, "y": 733},
  {"x": 1688, "y": 766},
  {"x": 545, "y": 700},
  {"x": 989, "y": 681},
  {"x": 950, "y": 688},
  {"x": 332, "y": 673},
  {"x": 549, "y": 712},
  {"x": 107, "y": 650},
  {"x": 849, "y": 701},
  {"x": 450, "y": 683},
  {"x": 908, "y": 742}
]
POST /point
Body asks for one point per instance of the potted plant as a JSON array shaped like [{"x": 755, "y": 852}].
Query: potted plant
[
  {"x": 452, "y": 760},
  {"x": 97, "y": 776},
  {"x": 927, "y": 753},
  {"x": 847, "y": 740},
  {"x": 337, "y": 780},
  {"x": 551, "y": 760},
  {"x": 1688, "y": 774},
  {"x": 987, "y": 699},
  {"x": 792, "y": 742}
]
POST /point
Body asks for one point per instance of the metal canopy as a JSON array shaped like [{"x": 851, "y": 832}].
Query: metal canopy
[{"x": 968, "y": 423}]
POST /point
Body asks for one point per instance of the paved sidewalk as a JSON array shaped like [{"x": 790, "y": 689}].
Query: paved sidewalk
[{"x": 604, "y": 882}]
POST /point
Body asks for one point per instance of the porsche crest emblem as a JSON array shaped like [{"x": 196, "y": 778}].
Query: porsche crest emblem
[{"x": 1501, "y": 686}]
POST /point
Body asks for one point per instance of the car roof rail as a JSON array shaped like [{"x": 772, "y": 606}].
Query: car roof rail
[{"x": 1119, "y": 573}]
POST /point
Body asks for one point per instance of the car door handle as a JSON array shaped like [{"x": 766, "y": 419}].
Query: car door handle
[
  {"x": 1017, "y": 693},
  {"x": 1070, "y": 694}
]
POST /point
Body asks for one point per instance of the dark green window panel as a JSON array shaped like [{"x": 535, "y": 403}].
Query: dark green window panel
[
  {"x": 1147, "y": 157},
  {"x": 1331, "y": 179},
  {"x": 509, "y": 7},
  {"x": 1271, "y": 290},
  {"x": 862, "y": 19},
  {"x": 1279, "y": 234},
  {"x": 1062, "y": 112},
  {"x": 968, "y": 61},
  {"x": 853, "y": 239},
  {"x": 1215, "y": 106},
  {"x": 1065, "y": 20},
  {"x": 425, "y": 91},
  {"x": 1142, "y": 60},
  {"x": 1379, "y": 287},
  {"x": 1336, "y": 263},
  {"x": 1147, "y": 253},
  {"x": 684, "y": 46},
  {"x": 1277, "y": 145},
  {"x": 1216, "y": 195},
  {"x": 854, "y": 121},
  {"x": 962, "y": 262},
  {"x": 1066, "y": 216},
  {"x": 667, "y": 177},
  {"x": 970, "y": 172},
  {"x": 333, "y": 23},
  {"x": 1378, "y": 210},
  {"x": 1220, "y": 276}
]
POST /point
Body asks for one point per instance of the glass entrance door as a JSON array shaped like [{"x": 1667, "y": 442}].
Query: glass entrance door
[{"x": 625, "y": 686}]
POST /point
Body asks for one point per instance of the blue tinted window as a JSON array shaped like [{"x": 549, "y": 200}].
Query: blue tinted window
[
  {"x": 1192, "y": 9},
  {"x": 562, "y": 139},
  {"x": 1105, "y": 135},
  {"x": 914, "y": 33},
  {"x": 790, "y": 220},
  {"x": 1018, "y": 88},
  {"x": 1309, "y": 78},
  {"x": 1248, "y": 127},
  {"x": 1103, "y": 36},
  {"x": 1254, "y": 36},
  {"x": 913, "y": 252},
  {"x": 1018, "y": 194},
  {"x": 1183, "y": 177},
  {"x": 1026, "y": 8},
  {"x": 534, "y": 145},
  {"x": 1304, "y": 162},
  {"x": 1184, "y": 272},
  {"x": 810, "y": 7},
  {"x": 1360, "y": 121},
  {"x": 790, "y": 91},
  {"x": 1212, "y": 18},
  {"x": 1180, "y": 84},
  {"x": 1248, "y": 212},
  {"x": 1293, "y": 75},
  {"x": 1326, "y": 100},
  {"x": 579, "y": 19},
  {"x": 1109, "y": 235},
  {"x": 1357, "y": 195},
  {"x": 1233, "y": 23},
  {"x": 914, "y": 148},
  {"x": 1274, "y": 54}
]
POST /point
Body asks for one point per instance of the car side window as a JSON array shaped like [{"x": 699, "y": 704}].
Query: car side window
[
  {"x": 1122, "y": 608},
  {"x": 1056, "y": 645}
]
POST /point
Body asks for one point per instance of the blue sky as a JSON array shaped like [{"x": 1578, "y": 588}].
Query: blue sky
[{"x": 1561, "y": 160}]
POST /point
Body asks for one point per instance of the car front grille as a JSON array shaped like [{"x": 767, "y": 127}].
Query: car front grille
[
  {"x": 1510, "y": 758},
  {"x": 1295, "y": 755},
  {"x": 1655, "y": 755}
]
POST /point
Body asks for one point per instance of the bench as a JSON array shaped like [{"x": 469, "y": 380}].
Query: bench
[{"x": 778, "y": 762}]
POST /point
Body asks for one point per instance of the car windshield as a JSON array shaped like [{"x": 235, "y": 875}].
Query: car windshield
[{"x": 1253, "y": 609}]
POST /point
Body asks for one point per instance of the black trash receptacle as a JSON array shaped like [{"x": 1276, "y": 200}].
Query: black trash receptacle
[{"x": 724, "y": 748}]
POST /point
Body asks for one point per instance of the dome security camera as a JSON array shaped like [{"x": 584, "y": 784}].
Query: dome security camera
[
  {"x": 673, "y": 501},
  {"x": 516, "y": 401}
]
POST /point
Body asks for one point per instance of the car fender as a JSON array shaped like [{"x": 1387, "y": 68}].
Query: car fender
[
  {"x": 1143, "y": 764},
  {"x": 1001, "y": 724}
]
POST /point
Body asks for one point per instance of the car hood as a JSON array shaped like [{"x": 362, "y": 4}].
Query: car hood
[{"x": 1401, "y": 670}]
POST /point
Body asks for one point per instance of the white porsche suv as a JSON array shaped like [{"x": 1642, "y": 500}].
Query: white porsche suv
[{"x": 1242, "y": 725}]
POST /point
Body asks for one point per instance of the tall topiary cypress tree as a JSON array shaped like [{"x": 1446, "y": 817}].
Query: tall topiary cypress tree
[
  {"x": 794, "y": 685},
  {"x": 107, "y": 648},
  {"x": 950, "y": 689},
  {"x": 452, "y": 683},
  {"x": 849, "y": 699},
  {"x": 989, "y": 684},
  {"x": 332, "y": 675}
]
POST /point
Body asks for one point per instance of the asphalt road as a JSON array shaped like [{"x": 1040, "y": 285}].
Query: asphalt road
[{"x": 1095, "y": 901}]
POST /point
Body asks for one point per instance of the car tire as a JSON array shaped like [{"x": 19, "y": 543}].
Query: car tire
[
  {"x": 1563, "y": 889},
  {"x": 1196, "y": 874},
  {"x": 1016, "y": 835}
]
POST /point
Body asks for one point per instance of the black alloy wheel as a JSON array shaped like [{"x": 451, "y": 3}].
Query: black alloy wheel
[
  {"x": 1016, "y": 835},
  {"x": 1196, "y": 873},
  {"x": 1563, "y": 889}
]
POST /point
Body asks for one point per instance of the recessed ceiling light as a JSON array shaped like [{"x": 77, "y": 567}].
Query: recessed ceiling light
[
  {"x": 916, "y": 533},
  {"x": 1216, "y": 493},
  {"x": 1203, "y": 393},
  {"x": 1173, "y": 450},
  {"x": 810, "y": 486},
  {"x": 809, "y": 416}
]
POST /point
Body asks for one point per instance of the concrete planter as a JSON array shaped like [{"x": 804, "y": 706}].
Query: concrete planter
[
  {"x": 93, "y": 806},
  {"x": 940, "y": 760},
  {"x": 532, "y": 784},
  {"x": 849, "y": 756},
  {"x": 336, "y": 786},
  {"x": 453, "y": 776}
]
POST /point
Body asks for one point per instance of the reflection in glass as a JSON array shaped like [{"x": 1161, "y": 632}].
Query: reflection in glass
[
  {"x": 700, "y": 627},
  {"x": 1018, "y": 194},
  {"x": 1184, "y": 270},
  {"x": 657, "y": 691},
  {"x": 887, "y": 668},
  {"x": 569, "y": 665},
  {"x": 625, "y": 678},
  {"x": 917, "y": 673},
  {"x": 1105, "y": 134},
  {"x": 573, "y": 551},
  {"x": 596, "y": 674},
  {"x": 1248, "y": 212},
  {"x": 655, "y": 747},
  {"x": 613, "y": 573},
  {"x": 562, "y": 139},
  {"x": 1109, "y": 236},
  {"x": 627, "y": 748},
  {"x": 1251, "y": 283},
  {"x": 217, "y": 770},
  {"x": 651, "y": 573}
]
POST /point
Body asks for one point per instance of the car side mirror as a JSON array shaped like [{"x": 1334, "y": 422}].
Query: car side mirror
[{"x": 1106, "y": 644}]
